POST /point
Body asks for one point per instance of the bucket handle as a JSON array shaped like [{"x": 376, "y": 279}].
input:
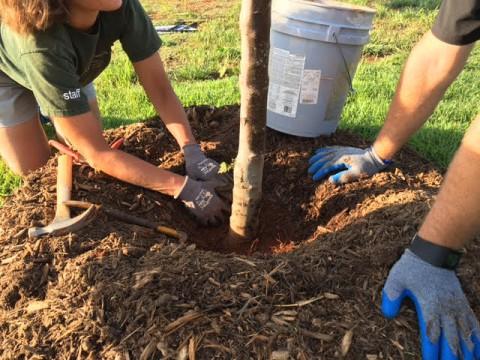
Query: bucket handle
[{"x": 350, "y": 80}]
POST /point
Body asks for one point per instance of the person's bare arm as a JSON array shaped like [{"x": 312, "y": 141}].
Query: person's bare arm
[
  {"x": 454, "y": 218},
  {"x": 84, "y": 133},
  {"x": 430, "y": 69},
  {"x": 425, "y": 273},
  {"x": 160, "y": 92}
]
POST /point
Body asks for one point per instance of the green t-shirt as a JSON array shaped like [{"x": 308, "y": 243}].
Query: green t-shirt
[{"x": 57, "y": 63}]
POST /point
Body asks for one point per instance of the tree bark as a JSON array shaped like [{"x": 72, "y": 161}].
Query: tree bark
[{"x": 248, "y": 172}]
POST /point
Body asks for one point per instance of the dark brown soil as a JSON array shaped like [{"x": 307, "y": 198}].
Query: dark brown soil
[{"x": 118, "y": 291}]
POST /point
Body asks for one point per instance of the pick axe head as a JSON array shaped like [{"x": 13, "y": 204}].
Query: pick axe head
[
  {"x": 63, "y": 223},
  {"x": 63, "y": 227}
]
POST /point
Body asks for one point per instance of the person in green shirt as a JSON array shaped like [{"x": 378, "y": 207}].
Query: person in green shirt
[{"x": 50, "y": 52}]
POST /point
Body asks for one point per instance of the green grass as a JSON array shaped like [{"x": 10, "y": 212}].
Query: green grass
[
  {"x": 398, "y": 26},
  {"x": 8, "y": 182},
  {"x": 440, "y": 137},
  {"x": 204, "y": 69},
  {"x": 202, "y": 66}
]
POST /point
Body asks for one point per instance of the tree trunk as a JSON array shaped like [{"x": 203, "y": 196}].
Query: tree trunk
[{"x": 248, "y": 172}]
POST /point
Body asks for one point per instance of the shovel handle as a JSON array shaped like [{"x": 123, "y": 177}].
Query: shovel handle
[{"x": 64, "y": 186}]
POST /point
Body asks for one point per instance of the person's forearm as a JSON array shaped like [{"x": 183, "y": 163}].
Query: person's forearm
[
  {"x": 84, "y": 134},
  {"x": 431, "y": 67},
  {"x": 154, "y": 80},
  {"x": 130, "y": 169},
  {"x": 454, "y": 218},
  {"x": 173, "y": 115}
]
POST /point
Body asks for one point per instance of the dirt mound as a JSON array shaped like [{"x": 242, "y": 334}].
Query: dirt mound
[{"x": 119, "y": 291}]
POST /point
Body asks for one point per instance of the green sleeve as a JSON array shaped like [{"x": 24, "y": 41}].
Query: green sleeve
[
  {"x": 139, "y": 38},
  {"x": 54, "y": 83}
]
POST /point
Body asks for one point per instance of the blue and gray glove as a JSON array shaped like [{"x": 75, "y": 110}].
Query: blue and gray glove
[
  {"x": 197, "y": 165},
  {"x": 345, "y": 164},
  {"x": 448, "y": 326}
]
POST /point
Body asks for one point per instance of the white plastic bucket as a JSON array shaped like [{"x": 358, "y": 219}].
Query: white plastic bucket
[{"x": 313, "y": 43}]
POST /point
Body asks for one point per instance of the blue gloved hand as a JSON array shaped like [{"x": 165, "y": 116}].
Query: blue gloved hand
[
  {"x": 346, "y": 163},
  {"x": 197, "y": 165},
  {"x": 448, "y": 326}
]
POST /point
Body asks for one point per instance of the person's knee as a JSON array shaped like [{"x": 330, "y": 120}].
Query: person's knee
[
  {"x": 24, "y": 147},
  {"x": 24, "y": 168}
]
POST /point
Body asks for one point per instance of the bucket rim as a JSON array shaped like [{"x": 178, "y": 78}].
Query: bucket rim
[{"x": 332, "y": 4}]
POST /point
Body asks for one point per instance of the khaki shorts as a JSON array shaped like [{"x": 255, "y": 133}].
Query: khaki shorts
[{"x": 18, "y": 105}]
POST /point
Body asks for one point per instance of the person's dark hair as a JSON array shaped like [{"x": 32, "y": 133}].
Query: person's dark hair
[{"x": 29, "y": 16}]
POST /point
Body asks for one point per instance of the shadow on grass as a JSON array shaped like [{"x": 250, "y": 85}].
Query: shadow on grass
[{"x": 421, "y": 4}]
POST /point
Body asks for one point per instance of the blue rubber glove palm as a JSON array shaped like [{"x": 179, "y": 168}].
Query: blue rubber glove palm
[
  {"x": 448, "y": 327},
  {"x": 345, "y": 163},
  {"x": 197, "y": 165}
]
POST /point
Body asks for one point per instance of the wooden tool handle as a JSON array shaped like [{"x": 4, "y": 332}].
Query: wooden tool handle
[
  {"x": 168, "y": 231},
  {"x": 64, "y": 186},
  {"x": 120, "y": 215}
]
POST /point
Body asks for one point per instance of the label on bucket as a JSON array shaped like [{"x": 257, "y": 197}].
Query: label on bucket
[
  {"x": 310, "y": 86},
  {"x": 286, "y": 73}
]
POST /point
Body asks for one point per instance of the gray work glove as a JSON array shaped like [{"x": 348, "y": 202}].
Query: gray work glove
[
  {"x": 448, "y": 326},
  {"x": 197, "y": 165},
  {"x": 345, "y": 163},
  {"x": 223, "y": 185},
  {"x": 202, "y": 201}
]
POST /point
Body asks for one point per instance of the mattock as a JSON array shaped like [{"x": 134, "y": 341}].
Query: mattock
[{"x": 63, "y": 223}]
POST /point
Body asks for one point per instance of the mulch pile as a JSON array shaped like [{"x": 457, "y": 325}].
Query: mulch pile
[{"x": 308, "y": 288}]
